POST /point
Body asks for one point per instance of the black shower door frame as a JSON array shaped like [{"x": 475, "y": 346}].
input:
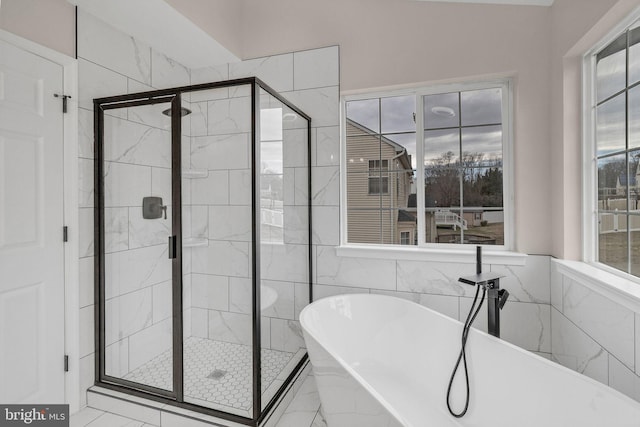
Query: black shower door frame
[{"x": 176, "y": 396}]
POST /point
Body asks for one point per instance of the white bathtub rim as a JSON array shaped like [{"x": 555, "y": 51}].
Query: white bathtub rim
[{"x": 553, "y": 365}]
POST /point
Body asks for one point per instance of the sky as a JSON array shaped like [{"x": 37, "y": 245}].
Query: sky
[{"x": 443, "y": 113}]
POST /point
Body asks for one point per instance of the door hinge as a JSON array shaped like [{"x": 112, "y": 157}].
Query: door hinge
[
  {"x": 64, "y": 100},
  {"x": 66, "y": 363},
  {"x": 65, "y": 234}
]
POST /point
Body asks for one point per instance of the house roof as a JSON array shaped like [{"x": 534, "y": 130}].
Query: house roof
[
  {"x": 404, "y": 216},
  {"x": 405, "y": 158},
  {"x": 622, "y": 179}
]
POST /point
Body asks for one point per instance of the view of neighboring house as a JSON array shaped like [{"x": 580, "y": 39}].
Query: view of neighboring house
[{"x": 379, "y": 182}]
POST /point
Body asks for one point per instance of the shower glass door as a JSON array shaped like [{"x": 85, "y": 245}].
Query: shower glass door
[{"x": 135, "y": 212}]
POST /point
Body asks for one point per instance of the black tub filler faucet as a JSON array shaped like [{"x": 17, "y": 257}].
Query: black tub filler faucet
[{"x": 496, "y": 297}]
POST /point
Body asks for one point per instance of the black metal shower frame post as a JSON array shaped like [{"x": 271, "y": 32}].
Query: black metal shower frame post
[
  {"x": 176, "y": 396},
  {"x": 176, "y": 225},
  {"x": 255, "y": 249}
]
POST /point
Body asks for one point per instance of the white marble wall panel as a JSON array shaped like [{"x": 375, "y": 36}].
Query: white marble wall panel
[
  {"x": 85, "y": 183},
  {"x": 240, "y": 296},
  {"x": 231, "y": 115},
  {"x": 87, "y": 376},
  {"x": 316, "y": 68},
  {"x": 129, "y": 142},
  {"x": 116, "y": 229},
  {"x": 284, "y": 262},
  {"x": 148, "y": 232},
  {"x": 86, "y": 281},
  {"x": 125, "y": 185},
  {"x": 623, "y": 379},
  {"x": 85, "y": 133},
  {"x": 325, "y": 188},
  {"x": 325, "y": 291},
  {"x": 199, "y": 221},
  {"x": 445, "y": 304},
  {"x": 151, "y": 115},
  {"x": 322, "y": 104},
  {"x": 221, "y": 152},
  {"x": 95, "y": 81},
  {"x": 528, "y": 283},
  {"x": 167, "y": 73},
  {"x": 103, "y": 44},
  {"x": 286, "y": 335},
  {"x": 354, "y": 272},
  {"x": 283, "y": 307},
  {"x": 127, "y": 314},
  {"x": 149, "y": 343},
  {"x": 210, "y": 292},
  {"x": 214, "y": 73},
  {"x": 199, "y": 322},
  {"x": 325, "y": 194},
  {"x": 301, "y": 298},
  {"x": 435, "y": 277},
  {"x": 296, "y": 224},
  {"x": 276, "y": 71},
  {"x": 326, "y": 225},
  {"x": 116, "y": 358},
  {"x": 325, "y": 144},
  {"x": 161, "y": 185},
  {"x": 85, "y": 225},
  {"x": 240, "y": 187},
  {"x": 199, "y": 115},
  {"x": 556, "y": 283},
  {"x": 230, "y": 327},
  {"x": 574, "y": 349},
  {"x": 87, "y": 344},
  {"x": 230, "y": 223},
  {"x": 223, "y": 259},
  {"x": 212, "y": 190},
  {"x": 294, "y": 147},
  {"x": 135, "y": 269},
  {"x": 610, "y": 324},
  {"x": 162, "y": 301}
]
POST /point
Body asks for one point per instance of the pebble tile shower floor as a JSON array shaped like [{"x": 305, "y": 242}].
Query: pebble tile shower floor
[{"x": 214, "y": 371}]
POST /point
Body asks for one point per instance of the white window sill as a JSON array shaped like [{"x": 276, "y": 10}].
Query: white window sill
[
  {"x": 619, "y": 289},
  {"x": 464, "y": 255}
]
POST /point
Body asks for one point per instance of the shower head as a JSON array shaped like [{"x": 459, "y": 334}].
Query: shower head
[{"x": 183, "y": 112}]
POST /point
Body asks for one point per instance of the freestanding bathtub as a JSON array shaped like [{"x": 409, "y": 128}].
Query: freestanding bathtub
[{"x": 381, "y": 361}]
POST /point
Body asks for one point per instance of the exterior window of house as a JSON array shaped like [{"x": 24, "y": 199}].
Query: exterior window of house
[
  {"x": 424, "y": 162},
  {"x": 615, "y": 153},
  {"x": 378, "y": 176},
  {"x": 405, "y": 237}
]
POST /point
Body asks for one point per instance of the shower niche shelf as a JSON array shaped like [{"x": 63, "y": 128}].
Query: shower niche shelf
[
  {"x": 195, "y": 173},
  {"x": 195, "y": 242}
]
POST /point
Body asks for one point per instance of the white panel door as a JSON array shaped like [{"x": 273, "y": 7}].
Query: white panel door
[{"x": 31, "y": 221}]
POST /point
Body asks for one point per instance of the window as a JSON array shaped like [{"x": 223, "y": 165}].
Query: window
[
  {"x": 425, "y": 167},
  {"x": 378, "y": 177},
  {"x": 405, "y": 237},
  {"x": 615, "y": 151}
]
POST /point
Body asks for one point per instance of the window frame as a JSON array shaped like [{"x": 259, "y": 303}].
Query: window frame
[
  {"x": 590, "y": 248},
  {"x": 382, "y": 172},
  {"x": 506, "y": 85}
]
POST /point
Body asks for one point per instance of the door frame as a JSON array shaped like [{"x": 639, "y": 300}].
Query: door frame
[{"x": 70, "y": 211}]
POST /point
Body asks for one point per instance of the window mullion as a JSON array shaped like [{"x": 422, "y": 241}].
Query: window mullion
[{"x": 420, "y": 183}]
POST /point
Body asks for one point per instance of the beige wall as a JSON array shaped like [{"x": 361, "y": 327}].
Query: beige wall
[
  {"x": 220, "y": 18},
  {"x": 48, "y": 22}
]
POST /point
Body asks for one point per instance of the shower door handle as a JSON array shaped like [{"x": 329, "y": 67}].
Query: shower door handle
[{"x": 172, "y": 247}]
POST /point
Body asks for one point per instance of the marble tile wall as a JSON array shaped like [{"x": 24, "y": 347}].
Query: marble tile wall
[
  {"x": 137, "y": 164},
  {"x": 593, "y": 335}
]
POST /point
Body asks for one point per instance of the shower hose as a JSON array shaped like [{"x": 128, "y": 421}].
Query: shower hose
[{"x": 473, "y": 312}]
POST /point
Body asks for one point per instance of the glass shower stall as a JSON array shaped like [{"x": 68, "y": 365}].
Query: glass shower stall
[{"x": 202, "y": 234}]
